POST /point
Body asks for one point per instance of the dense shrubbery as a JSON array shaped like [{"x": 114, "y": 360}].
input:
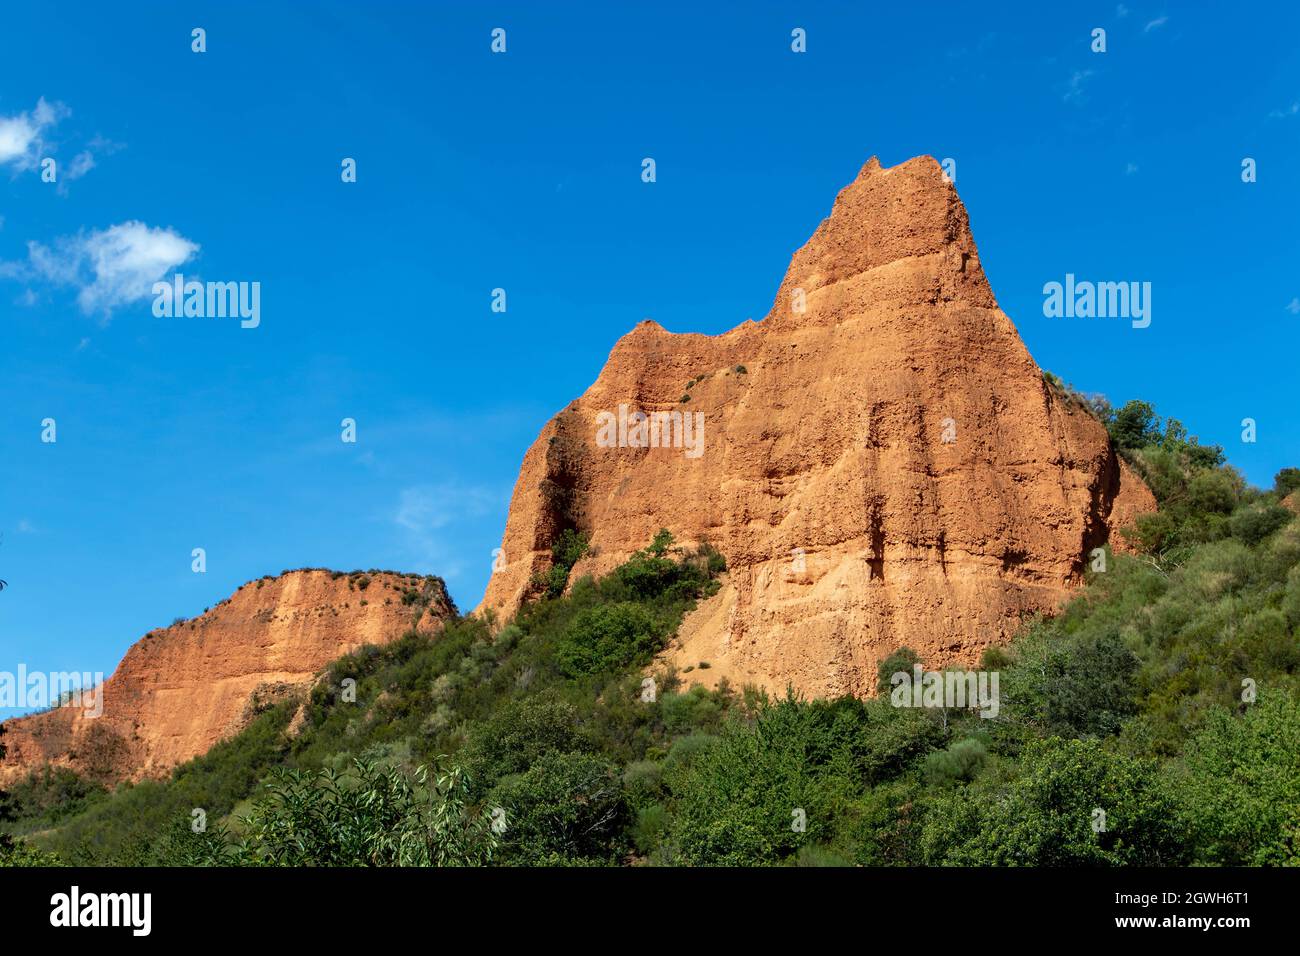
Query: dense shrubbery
[
  {"x": 1240, "y": 785},
  {"x": 22, "y": 853},
  {"x": 48, "y": 796},
  {"x": 783, "y": 775},
  {"x": 566, "y": 807},
  {"x": 370, "y": 816},
  {"x": 1155, "y": 720},
  {"x": 1064, "y": 803}
]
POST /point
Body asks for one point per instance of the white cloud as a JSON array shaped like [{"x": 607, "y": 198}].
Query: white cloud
[
  {"x": 22, "y": 136},
  {"x": 111, "y": 267},
  {"x": 81, "y": 164},
  {"x": 24, "y": 143},
  {"x": 1293, "y": 306},
  {"x": 85, "y": 161},
  {"x": 428, "y": 516},
  {"x": 1291, "y": 110},
  {"x": 1155, "y": 24},
  {"x": 1074, "y": 88},
  {"x": 1121, "y": 11}
]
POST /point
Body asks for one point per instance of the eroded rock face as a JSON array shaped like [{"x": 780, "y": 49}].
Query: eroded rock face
[
  {"x": 882, "y": 462},
  {"x": 181, "y": 689}
]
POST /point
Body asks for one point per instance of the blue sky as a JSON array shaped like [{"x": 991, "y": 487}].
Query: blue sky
[{"x": 522, "y": 171}]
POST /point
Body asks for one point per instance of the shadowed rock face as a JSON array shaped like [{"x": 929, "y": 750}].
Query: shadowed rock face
[
  {"x": 882, "y": 463},
  {"x": 179, "y": 690}
]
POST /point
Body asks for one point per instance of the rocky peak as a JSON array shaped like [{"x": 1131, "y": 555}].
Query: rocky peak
[{"x": 882, "y": 462}]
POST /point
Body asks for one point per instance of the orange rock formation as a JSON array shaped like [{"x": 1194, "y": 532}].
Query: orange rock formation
[
  {"x": 183, "y": 688},
  {"x": 882, "y": 462}
]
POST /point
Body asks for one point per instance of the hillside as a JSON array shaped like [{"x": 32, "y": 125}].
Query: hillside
[
  {"x": 181, "y": 689},
  {"x": 1155, "y": 721}
]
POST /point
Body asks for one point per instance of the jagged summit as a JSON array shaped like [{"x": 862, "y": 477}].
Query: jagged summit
[
  {"x": 883, "y": 218},
  {"x": 882, "y": 463}
]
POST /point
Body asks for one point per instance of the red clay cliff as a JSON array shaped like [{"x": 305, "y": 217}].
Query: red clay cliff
[{"x": 882, "y": 463}]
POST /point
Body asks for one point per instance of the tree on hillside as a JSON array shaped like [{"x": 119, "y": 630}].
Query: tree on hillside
[
  {"x": 1287, "y": 482},
  {"x": 901, "y": 660},
  {"x": 1136, "y": 425}
]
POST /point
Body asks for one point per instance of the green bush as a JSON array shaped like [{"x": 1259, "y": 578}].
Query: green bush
[
  {"x": 566, "y": 804},
  {"x": 900, "y": 661},
  {"x": 1254, "y": 523},
  {"x": 607, "y": 638},
  {"x": 1287, "y": 482},
  {"x": 520, "y": 733},
  {"x": 567, "y": 550},
  {"x": 1077, "y": 684},
  {"x": 1240, "y": 785},
  {"x": 1136, "y": 425},
  {"x": 649, "y": 828},
  {"x": 1072, "y": 803},
  {"x": 47, "y": 796},
  {"x": 373, "y": 816},
  {"x": 742, "y": 799},
  {"x": 960, "y": 763},
  {"x": 19, "y": 853}
]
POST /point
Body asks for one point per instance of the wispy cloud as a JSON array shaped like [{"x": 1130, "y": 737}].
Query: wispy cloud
[
  {"x": 1291, "y": 110},
  {"x": 81, "y": 164},
  {"x": 1121, "y": 11},
  {"x": 429, "y": 515},
  {"x": 1293, "y": 306},
  {"x": 1155, "y": 24},
  {"x": 1074, "y": 88},
  {"x": 109, "y": 267},
  {"x": 86, "y": 160},
  {"x": 22, "y": 136}
]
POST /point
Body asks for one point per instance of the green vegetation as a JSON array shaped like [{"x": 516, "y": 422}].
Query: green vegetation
[
  {"x": 1154, "y": 721},
  {"x": 569, "y": 547},
  {"x": 22, "y": 853},
  {"x": 370, "y": 816}
]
